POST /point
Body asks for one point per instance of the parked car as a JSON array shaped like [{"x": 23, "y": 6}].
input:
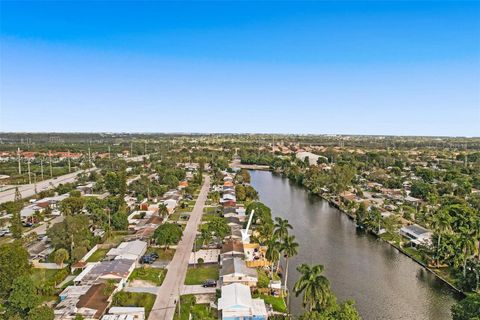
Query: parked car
[
  {"x": 149, "y": 258},
  {"x": 209, "y": 283}
]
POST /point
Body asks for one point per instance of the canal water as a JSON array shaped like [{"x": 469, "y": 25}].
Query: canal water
[{"x": 384, "y": 283}]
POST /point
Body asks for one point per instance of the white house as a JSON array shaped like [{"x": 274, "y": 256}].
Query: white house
[
  {"x": 236, "y": 303},
  {"x": 125, "y": 313},
  {"x": 131, "y": 250},
  {"x": 417, "y": 234}
]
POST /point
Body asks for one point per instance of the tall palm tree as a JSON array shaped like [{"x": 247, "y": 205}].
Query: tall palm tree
[
  {"x": 290, "y": 249},
  {"x": 314, "y": 286},
  {"x": 273, "y": 253},
  {"x": 162, "y": 210},
  {"x": 468, "y": 245},
  {"x": 281, "y": 227},
  {"x": 441, "y": 223},
  {"x": 264, "y": 232}
]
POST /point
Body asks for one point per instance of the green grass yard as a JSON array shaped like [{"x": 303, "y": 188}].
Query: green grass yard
[
  {"x": 153, "y": 275},
  {"x": 201, "y": 273},
  {"x": 134, "y": 299},
  {"x": 98, "y": 255},
  {"x": 278, "y": 304}
]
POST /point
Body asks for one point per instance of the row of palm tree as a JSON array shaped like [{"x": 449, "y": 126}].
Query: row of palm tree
[
  {"x": 457, "y": 231},
  {"x": 314, "y": 286}
]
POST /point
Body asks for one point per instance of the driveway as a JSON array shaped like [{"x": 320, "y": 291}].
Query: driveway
[
  {"x": 169, "y": 292},
  {"x": 197, "y": 289}
]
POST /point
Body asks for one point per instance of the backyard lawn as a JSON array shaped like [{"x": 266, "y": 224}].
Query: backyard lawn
[
  {"x": 201, "y": 273},
  {"x": 278, "y": 304},
  {"x": 98, "y": 255},
  {"x": 198, "y": 311},
  {"x": 135, "y": 299},
  {"x": 153, "y": 275},
  {"x": 163, "y": 255}
]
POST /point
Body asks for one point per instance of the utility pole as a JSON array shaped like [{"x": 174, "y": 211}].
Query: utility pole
[
  {"x": 18, "y": 195},
  {"x": 68, "y": 157},
  {"x": 89, "y": 158},
  {"x": 29, "y": 173},
  {"x": 19, "y": 165},
  {"x": 41, "y": 167},
  {"x": 51, "y": 170},
  {"x": 108, "y": 152},
  {"x": 35, "y": 182},
  {"x": 145, "y": 148},
  {"x": 131, "y": 149}
]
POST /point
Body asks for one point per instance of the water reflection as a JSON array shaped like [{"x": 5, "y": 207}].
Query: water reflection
[{"x": 384, "y": 283}]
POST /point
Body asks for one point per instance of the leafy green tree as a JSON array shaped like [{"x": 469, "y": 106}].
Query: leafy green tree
[
  {"x": 41, "y": 313},
  {"x": 168, "y": 234},
  {"x": 314, "y": 286},
  {"x": 23, "y": 296},
  {"x": 218, "y": 228},
  {"x": 240, "y": 193},
  {"x": 13, "y": 264},
  {"x": 172, "y": 181},
  {"x": 441, "y": 224},
  {"x": 423, "y": 190},
  {"x": 71, "y": 205},
  {"x": 120, "y": 218},
  {"x": 16, "y": 227},
  {"x": 467, "y": 309},
  {"x": 361, "y": 214},
  {"x": 73, "y": 232},
  {"x": 116, "y": 183},
  {"x": 60, "y": 256}
]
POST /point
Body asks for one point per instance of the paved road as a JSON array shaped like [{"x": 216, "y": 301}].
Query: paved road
[
  {"x": 169, "y": 292},
  {"x": 42, "y": 229},
  {"x": 28, "y": 190}
]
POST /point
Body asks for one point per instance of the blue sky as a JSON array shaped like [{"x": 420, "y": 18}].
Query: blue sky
[{"x": 406, "y": 68}]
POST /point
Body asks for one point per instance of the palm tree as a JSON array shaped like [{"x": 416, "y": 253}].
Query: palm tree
[
  {"x": 273, "y": 253},
  {"x": 162, "y": 210},
  {"x": 314, "y": 286},
  {"x": 441, "y": 223},
  {"x": 281, "y": 227},
  {"x": 468, "y": 245},
  {"x": 290, "y": 249},
  {"x": 264, "y": 232}
]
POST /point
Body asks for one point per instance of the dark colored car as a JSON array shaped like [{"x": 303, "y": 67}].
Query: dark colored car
[
  {"x": 209, "y": 283},
  {"x": 149, "y": 258}
]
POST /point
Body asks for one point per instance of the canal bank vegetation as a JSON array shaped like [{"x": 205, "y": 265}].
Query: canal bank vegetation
[
  {"x": 388, "y": 192},
  {"x": 318, "y": 299}
]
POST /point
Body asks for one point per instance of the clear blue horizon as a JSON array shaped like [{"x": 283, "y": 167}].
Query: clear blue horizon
[{"x": 385, "y": 68}]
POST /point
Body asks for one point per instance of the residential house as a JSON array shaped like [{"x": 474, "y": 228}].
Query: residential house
[
  {"x": 234, "y": 270},
  {"x": 132, "y": 250},
  {"x": 416, "y": 234},
  {"x": 236, "y": 303},
  {"x": 125, "y": 313},
  {"x": 232, "y": 249},
  {"x": 118, "y": 270}
]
